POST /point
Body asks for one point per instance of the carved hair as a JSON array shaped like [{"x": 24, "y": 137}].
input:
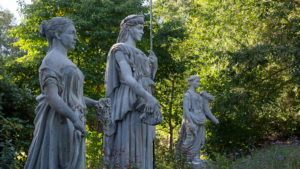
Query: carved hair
[
  {"x": 126, "y": 24},
  {"x": 57, "y": 24},
  {"x": 192, "y": 78}
]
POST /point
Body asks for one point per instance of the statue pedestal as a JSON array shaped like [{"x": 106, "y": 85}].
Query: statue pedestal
[{"x": 198, "y": 164}]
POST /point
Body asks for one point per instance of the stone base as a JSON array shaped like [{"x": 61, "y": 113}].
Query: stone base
[{"x": 199, "y": 164}]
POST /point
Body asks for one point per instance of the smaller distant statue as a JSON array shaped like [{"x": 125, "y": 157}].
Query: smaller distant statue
[{"x": 195, "y": 110}]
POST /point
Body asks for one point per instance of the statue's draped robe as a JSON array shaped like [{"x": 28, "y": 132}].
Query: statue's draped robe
[
  {"x": 131, "y": 141},
  {"x": 192, "y": 132},
  {"x": 56, "y": 144}
]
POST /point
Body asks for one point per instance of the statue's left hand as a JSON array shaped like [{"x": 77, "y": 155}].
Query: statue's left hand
[
  {"x": 102, "y": 102},
  {"x": 216, "y": 121}
]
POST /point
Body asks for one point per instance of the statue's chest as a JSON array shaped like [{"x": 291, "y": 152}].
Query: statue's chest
[
  {"x": 140, "y": 63},
  {"x": 196, "y": 100}
]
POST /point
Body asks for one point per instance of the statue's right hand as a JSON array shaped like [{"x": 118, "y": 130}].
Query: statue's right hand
[
  {"x": 79, "y": 126},
  {"x": 216, "y": 121},
  {"x": 152, "y": 104},
  {"x": 152, "y": 101}
]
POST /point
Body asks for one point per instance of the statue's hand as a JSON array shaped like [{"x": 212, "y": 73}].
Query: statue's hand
[
  {"x": 151, "y": 100},
  {"x": 79, "y": 126},
  {"x": 151, "y": 104},
  {"x": 216, "y": 121}
]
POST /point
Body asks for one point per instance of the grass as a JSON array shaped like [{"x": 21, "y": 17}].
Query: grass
[{"x": 274, "y": 156}]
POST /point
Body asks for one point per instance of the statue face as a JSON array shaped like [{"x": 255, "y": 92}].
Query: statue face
[
  {"x": 136, "y": 32},
  {"x": 68, "y": 37},
  {"x": 195, "y": 83}
]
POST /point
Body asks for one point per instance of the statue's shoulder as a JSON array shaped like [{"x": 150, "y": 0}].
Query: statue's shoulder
[
  {"x": 126, "y": 50},
  {"x": 49, "y": 69},
  {"x": 122, "y": 47},
  {"x": 54, "y": 60},
  {"x": 49, "y": 64},
  {"x": 187, "y": 94},
  {"x": 118, "y": 45}
]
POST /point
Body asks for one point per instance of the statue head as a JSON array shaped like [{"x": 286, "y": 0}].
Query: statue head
[
  {"x": 194, "y": 80},
  {"x": 58, "y": 28},
  {"x": 133, "y": 26}
]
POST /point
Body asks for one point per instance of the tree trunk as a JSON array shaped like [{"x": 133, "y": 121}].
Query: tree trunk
[{"x": 171, "y": 127}]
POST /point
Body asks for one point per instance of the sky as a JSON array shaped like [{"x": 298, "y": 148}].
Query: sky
[{"x": 12, "y": 6}]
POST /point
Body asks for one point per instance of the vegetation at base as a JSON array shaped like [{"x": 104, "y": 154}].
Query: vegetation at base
[
  {"x": 245, "y": 51},
  {"x": 271, "y": 155},
  {"x": 274, "y": 156}
]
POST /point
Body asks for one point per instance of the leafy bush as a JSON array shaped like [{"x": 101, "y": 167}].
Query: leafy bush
[
  {"x": 272, "y": 157},
  {"x": 166, "y": 158},
  {"x": 16, "y": 107}
]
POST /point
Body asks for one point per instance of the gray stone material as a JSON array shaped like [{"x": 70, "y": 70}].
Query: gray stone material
[
  {"x": 134, "y": 111},
  {"x": 103, "y": 116},
  {"x": 195, "y": 111},
  {"x": 59, "y": 135}
]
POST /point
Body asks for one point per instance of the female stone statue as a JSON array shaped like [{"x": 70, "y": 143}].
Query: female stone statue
[
  {"x": 195, "y": 110},
  {"x": 59, "y": 135},
  {"x": 129, "y": 85}
]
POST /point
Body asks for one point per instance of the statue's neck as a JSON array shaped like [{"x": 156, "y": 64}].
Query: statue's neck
[
  {"x": 59, "y": 47},
  {"x": 131, "y": 42},
  {"x": 192, "y": 89}
]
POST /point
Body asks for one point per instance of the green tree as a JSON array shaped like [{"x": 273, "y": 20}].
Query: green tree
[
  {"x": 97, "y": 24},
  {"x": 6, "y": 39},
  {"x": 249, "y": 57},
  {"x": 16, "y": 104},
  {"x": 169, "y": 33}
]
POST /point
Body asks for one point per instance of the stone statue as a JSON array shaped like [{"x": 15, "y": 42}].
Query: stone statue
[
  {"x": 103, "y": 116},
  {"x": 195, "y": 110},
  {"x": 134, "y": 111},
  {"x": 59, "y": 135}
]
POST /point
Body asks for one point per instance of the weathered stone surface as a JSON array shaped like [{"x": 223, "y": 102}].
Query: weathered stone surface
[
  {"x": 59, "y": 135},
  {"x": 195, "y": 111},
  {"x": 103, "y": 116},
  {"x": 134, "y": 111}
]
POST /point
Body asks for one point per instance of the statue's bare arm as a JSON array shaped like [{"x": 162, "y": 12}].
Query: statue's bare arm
[
  {"x": 56, "y": 102},
  {"x": 130, "y": 81},
  {"x": 90, "y": 102},
  {"x": 208, "y": 112}
]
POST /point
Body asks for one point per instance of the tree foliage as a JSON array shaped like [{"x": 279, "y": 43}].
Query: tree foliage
[{"x": 247, "y": 55}]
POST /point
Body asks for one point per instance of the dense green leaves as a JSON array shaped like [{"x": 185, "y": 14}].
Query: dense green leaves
[
  {"x": 16, "y": 114},
  {"x": 97, "y": 24},
  {"x": 247, "y": 55}
]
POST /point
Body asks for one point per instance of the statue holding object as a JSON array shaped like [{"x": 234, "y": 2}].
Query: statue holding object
[
  {"x": 134, "y": 111},
  {"x": 195, "y": 110},
  {"x": 59, "y": 135}
]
